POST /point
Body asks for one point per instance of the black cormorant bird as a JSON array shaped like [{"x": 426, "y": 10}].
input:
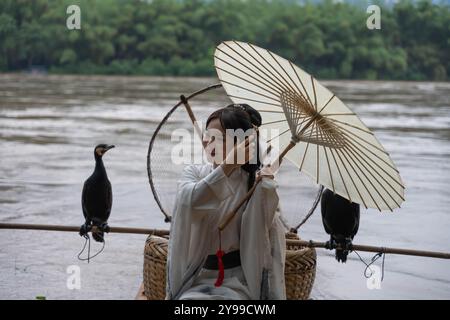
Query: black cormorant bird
[
  {"x": 96, "y": 199},
  {"x": 340, "y": 218}
]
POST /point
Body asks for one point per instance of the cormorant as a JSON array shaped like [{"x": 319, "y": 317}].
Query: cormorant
[
  {"x": 340, "y": 219},
  {"x": 96, "y": 199}
]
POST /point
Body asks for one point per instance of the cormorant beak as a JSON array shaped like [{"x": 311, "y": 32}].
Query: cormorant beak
[{"x": 109, "y": 147}]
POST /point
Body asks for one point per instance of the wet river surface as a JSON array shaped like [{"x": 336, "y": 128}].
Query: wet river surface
[{"x": 50, "y": 124}]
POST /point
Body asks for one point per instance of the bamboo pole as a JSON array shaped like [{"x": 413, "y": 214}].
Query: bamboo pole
[
  {"x": 192, "y": 117},
  {"x": 162, "y": 232},
  {"x": 47, "y": 227},
  {"x": 408, "y": 252}
]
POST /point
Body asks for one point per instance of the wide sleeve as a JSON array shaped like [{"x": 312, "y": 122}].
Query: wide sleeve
[
  {"x": 262, "y": 243},
  {"x": 276, "y": 280},
  {"x": 207, "y": 192},
  {"x": 200, "y": 190}
]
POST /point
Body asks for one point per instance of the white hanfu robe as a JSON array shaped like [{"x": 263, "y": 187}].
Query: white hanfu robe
[{"x": 204, "y": 196}]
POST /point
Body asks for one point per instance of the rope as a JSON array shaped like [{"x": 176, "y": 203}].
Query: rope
[
  {"x": 311, "y": 211},
  {"x": 88, "y": 241},
  {"x": 374, "y": 258}
]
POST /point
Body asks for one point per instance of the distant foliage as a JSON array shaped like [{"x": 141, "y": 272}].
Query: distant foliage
[{"x": 177, "y": 37}]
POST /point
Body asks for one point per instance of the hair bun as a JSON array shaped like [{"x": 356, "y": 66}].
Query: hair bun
[{"x": 255, "y": 116}]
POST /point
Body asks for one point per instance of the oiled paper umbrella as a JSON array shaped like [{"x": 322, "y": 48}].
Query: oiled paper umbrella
[{"x": 321, "y": 135}]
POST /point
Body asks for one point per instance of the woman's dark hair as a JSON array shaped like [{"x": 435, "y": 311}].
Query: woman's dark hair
[{"x": 240, "y": 116}]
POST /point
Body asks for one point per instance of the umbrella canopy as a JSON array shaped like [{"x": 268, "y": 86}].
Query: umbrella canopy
[{"x": 332, "y": 145}]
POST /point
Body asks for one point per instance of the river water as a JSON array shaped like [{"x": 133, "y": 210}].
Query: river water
[{"x": 50, "y": 124}]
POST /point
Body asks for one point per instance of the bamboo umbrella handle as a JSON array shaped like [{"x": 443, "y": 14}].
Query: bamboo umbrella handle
[
  {"x": 231, "y": 215},
  {"x": 275, "y": 165}
]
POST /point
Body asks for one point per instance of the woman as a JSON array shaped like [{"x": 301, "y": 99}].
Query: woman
[{"x": 254, "y": 240}]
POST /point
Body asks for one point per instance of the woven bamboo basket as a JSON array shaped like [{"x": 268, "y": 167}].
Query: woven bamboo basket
[{"x": 300, "y": 269}]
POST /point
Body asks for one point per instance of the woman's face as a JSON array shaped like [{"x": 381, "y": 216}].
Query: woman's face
[{"x": 214, "y": 141}]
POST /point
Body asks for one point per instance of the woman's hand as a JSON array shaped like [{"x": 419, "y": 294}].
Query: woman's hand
[{"x": 241, "y": 154}]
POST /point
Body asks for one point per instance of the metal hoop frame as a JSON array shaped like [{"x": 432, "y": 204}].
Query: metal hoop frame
[{"x": 152, "y": 140}]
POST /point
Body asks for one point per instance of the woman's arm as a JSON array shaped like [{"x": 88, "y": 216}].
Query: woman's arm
[{"x": 206, "y": 193}]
